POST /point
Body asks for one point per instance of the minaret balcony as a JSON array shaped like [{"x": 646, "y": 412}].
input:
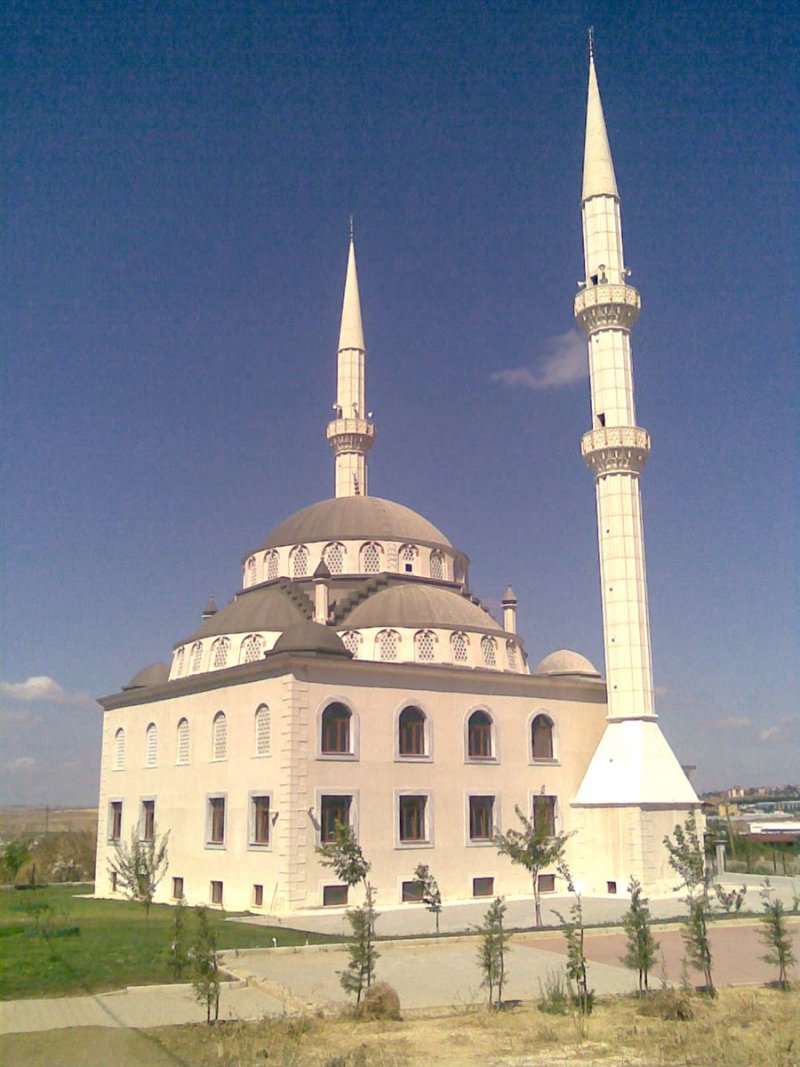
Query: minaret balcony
[
  {"x": 351, "y": 435},
  {"x": 606, "y": 306},
  {"x": 615, "y": 449}
]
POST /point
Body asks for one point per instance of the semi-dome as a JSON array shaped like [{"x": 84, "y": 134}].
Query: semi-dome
[
  {"x": 565, "y": 661},
  {"x": 311, "y": 637},
  {"x": 152, "y": 674},
  {"x": 418, "y": 604},
  {"x": 354, "y": 518},
  {"x": 275, "y": 607}
]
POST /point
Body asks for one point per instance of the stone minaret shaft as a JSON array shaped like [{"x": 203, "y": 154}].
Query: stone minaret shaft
[
  {"x": 615, "y": 449},
  {"x": 351, "y": 434}
]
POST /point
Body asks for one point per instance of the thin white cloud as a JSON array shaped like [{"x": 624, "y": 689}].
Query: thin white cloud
[
  {"x": 41, "y": 689},
  {"x": 772, "y": 733},
  {"x": 564, "y": 363},
  {"x": 732, "y": 722},
  {"x": 24, "y": 763},
  {"x": 13, "y": 717}
]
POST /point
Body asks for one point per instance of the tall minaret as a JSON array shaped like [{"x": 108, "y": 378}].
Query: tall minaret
[
  {"x": 633, "y": 764},
  {"x": 351, "y": 434}
]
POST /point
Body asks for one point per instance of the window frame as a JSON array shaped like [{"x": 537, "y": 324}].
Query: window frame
[
  {"x": 210, "y": 841},
  {"x": 151, "y": 730},
  {"x": 253, "y": 797},
  {"x": 218, "y": 716},
  {"x": 427, "y": 840},
  {"x": 351, "y": 754},
  {"x": 556, "y": 811},
  {"x": 547, "y": 761},
  {"x": 256, "y": 754},
  {"x": 120, "y": 754},
  {"x": 115, "y": 804},
  {"x": 178, "y": 761},
  {"x": 493, "y": 756},
  {"x": 426, "y": 756},
  {"x": 349, "y": 796},
  {"x": 494, "y": 819},
  {"x": 147, "y": 819},
  {"x": 212, "y": 893},
  {"x": 175, "y": 887}
]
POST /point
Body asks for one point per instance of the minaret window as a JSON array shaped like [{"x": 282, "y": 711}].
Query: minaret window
[
  {"x": 180, "y": 655},
  {"x": 151, "y": 745},
  {"x": 336, "y": 733},
  {"x": 479, "y": 736},
  {"x": 271, "y": 565},
  {"x": 411, "y": 738},
  {"x": 219, "y": 737},
  {"x": 489, "y": 651},
  {"x": 219, "y": 653},
  {"x": 371, "y": 558},
  {"x": 511, "y": 654},
  {"x": 250, "y": 571},
  {"x": 253, "y": 648},
  {"x": 407, "y": 557},
  {"x": 119, "y": 750},
  {"x": 387, "y": 641},
  {"x": 425, "y": 646},
  {"x": 334, "y": 558},
  {"x": 460, "y": 648},
  {"x": 437, "y": 566},
  {"x": 196, "y": 657},
  {"x": 351, "y": 641},
  {"x": 262, "y": 730},
  {"x": 183, "y": 741},
  {"x": 542, "y": 737},
  {"x": 299, "y": 561}
]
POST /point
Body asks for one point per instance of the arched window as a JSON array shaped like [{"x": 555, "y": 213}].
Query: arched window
[
  {"x": 351, "y": 641},
  {"x": 183, "y": 741},
  {"x": 262, "y": 730},
  {"x": 411, "y": 737},
  {"x": 459, "y": 644},
  {"x": 489, "y": 651},
  {"x": 196, "y": 657},
  {"x": 250, "y": 571},
  {"x": 334, "y": 557},
  {"x": 511, "y": 653},
  {"x": 407, "y": 558},
  {"x": 386, "y": 642},
  {"x": 336, "y": 729},
  {"x": 425, "y": 646},
  {"x": 253, "y": 648},
  {"x": 271, "y": 565},
  {"x": 180, "y": 655},
  {"x": 299, "y": 561},
  {"x": 437, "y": 565},
  {"x": 119, "y": 750},
  {"x": 542, "y": 737},
  {"x": 479, "y": 736},
  {"x": 371, "y": 558},
  {"x": 219, "y": 737},
  {"x": 219, "y": 653},
  {"x": 151, "y": 745}
]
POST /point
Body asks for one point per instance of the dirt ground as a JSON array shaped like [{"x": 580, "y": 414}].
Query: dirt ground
[
  {"x": 753, "y": 1027},
  {"x": 36, "y": 820}
]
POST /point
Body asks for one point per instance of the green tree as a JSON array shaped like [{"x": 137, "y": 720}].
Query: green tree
[
  {"x": 344, "y": 856},
  {"x": 140, "y": 866},
  {"x": 205, "y": 965},
  {"x": 641, "y": 946},
  {"x": 532, "y": 849},
  {"x": 359, "y": 974},
  {"x": 775, "y": 935},
  {"x": 16, "y": 853},
  {"x": 574, "y": 935},
  {"x": 492, "y": 949},
  {"x": 179, "y": 949},
  {"x": 428, "y": 888},
  {"x": 687, "y": 859}
]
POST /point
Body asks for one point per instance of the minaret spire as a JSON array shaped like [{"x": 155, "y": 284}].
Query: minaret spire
[{"x": 351, "y": 434}]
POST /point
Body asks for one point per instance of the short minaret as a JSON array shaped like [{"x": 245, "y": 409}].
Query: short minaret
[
  {"x": 510, "y": 610},
  {"x": 321, "y": 578},
  {"x": 633, "y": 763},
  {"x": 351, "y": 434}
]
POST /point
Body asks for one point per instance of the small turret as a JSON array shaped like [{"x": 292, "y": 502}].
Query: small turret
[
  {"x": 510, "y": 610},
  {"x": 210, "y": 608}
]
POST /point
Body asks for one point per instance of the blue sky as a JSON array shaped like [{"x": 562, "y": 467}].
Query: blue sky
[{"x": 178, "y": 182}]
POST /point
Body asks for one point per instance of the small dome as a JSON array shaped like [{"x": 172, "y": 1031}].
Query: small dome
[
  {"x": 260, "y": 609},
  {"x": 565, "y": 661},
  {"x": 420, "y": 604},
  {"x": 153, "y": 674},
  {"x": 311, "y": 637}
]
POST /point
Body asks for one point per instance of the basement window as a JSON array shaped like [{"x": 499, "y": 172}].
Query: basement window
[
  {"x": 483, "y": 887},
  {"x": 334, "y": 895}
]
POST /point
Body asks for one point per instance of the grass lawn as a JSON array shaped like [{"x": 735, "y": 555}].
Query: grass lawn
[{"x": 98, "y": 945}]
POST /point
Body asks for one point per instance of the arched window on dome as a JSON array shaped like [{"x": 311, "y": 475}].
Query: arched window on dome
[
  {"x": 459, "y": 646},
  {"x": 489, "y": 651},
  {"x": 263, "y": 739},
  {"x": 151, "y": 745},
  {"x": 511, "y": 655},
  {"x": 180, "y": 656},
  {"x": 351, "y": 640},
  {"x": 480, "y": 740},
  {"x": 298, "y": 558},
  {"x": 437, "y": 565},
  {"x": 371, "y": 558},
  {"x": 253, "y": 648},
  {"x": 271, "y": 565},
  {"x": 250, "y": 571},
  {"x": 183, "y": 742},
  {"x": 334, "y": 557},
  {"x": 542, "y": 738},
  {"x": 425, "y": 642},
  {"x": 407, "y": 557},
  {"x": 386, "y": 644},
  {"x": 337, "y": 735},
  {"x": 411, "y": 732},
  {"x": 119, "y": 750},
  {"x": 196, "y": 657},
  {"x": 219, "y": 737},
  {"x": 219, "y": 653}
]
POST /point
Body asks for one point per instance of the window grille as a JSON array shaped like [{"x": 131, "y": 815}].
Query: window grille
[
  {"x": 425, "y": 644},
  {"x": 252, "y": 648},
  {"x": 458, "y": 643},
  {"x": 271, "y": 560},
  {"x": 219, "y": 742},
  {"x": 334, "y": 558},
  {"x": 371, "y": 558},
  {"x": 511, "y": 652},
  {"x": 299, "y": 561},
  {"x": 151, "y": 745},
  {"x": 219, "y": 653},
  {"x": 437, "y": 566},
  {"x": 408, "y": 555},
  {"x": 262, "y": 731},
  {"x": 387, "y": 645},
  {"x": 251, "y": 571},
  {"x": 180, "y": 655},
  {"x": 351, "y": 641},
  {"x": 197, "y": 656},
  {"x": 489, "y": 650},
  {"x": 119, "y": 750},
  {"x": 183, "y": 741}
]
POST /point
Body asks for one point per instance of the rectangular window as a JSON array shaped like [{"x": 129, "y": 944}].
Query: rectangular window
[
  {"x": 115, "y": 820},
  {"x": 481, "y": 818},
  {"x": 113, "y": 881},
  {"x": 216, "y": 892},
  {"x": 177, "y": 889},
  {"x": 216, "y": 821},
  {"x": 412, "y": 818},
  {"x": 258, "y": 896},
  {"x": 260, "y": 820},
  {"x": 148, "y": 822},
  {"x": 483, "y": 887},
  {"x": 412, "y": 891},
  {"x": 544, "y": 815},
  {"x": 334, "y": 895},
  {"x": 333, "y": 809},
  {"x": 611, "y": 887},
  {"x": 547, "y": 883}
]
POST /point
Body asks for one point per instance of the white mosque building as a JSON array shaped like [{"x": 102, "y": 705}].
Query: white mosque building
[{"x": 355, "y": 677}]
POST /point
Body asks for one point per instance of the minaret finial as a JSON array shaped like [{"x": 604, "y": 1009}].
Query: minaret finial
[
  {"x": 352, "y": 230},
  {"x": 591, "y": 44}
]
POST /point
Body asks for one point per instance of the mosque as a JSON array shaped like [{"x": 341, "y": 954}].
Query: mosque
[{"x": 355, "y": 677}]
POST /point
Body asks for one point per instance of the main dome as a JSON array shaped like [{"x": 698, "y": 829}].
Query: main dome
[{"x": 354, "y": 518}]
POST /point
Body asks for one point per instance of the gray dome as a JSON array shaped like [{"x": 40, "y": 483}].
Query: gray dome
[
  {"x": 565, "y": 661},
  {"x": 264, "y": 608},
  {"x": 418, "y": 604},
  {"x": 311, "y": 637},
  {"x": 354, "y": 518},
  {"x": 153, "y": 674}
]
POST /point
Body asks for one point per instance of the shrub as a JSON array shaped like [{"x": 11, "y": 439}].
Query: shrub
[
  {"x": 669, "y": 1004},
  {"x": 380, "y": 1002},
  {"x": 554, "y": 998}
]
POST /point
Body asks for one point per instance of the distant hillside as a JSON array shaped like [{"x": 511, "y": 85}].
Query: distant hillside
[{"x": 19, "y": 820}]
